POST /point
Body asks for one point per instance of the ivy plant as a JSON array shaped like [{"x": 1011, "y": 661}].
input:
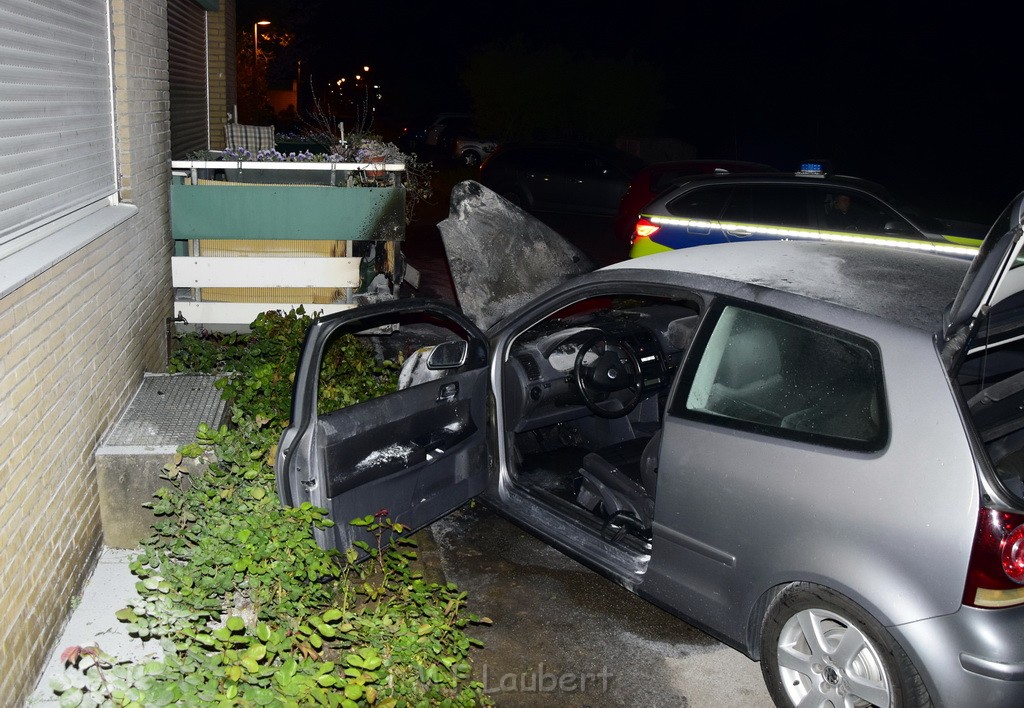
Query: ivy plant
[{"x": 248, "y": 610}]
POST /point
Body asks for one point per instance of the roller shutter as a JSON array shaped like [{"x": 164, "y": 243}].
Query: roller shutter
[
  {"x": 187, "y": 73},
  {"x": 56, "y": 114}
]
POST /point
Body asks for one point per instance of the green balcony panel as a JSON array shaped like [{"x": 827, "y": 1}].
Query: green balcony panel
[{"x": 243, "y": 211}]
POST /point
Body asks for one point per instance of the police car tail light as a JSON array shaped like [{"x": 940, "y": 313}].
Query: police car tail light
[
  {"x": 995, "y": 575},
  {"x": 645, "y": 228}
]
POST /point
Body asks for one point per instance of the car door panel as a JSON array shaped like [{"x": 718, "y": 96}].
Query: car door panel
[
  {"x": 758, "y": 212},
  {"x": 407, "y": 453},
  {"x": 413, "y": 454},
  {"x": 395, "y": 433}
]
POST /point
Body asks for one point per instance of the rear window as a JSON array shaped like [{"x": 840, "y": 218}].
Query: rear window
[
  {"x": 788, "y": 378},
  {"x": 702, "y": 203},
  {"x": 772, "y": 205},
  {"x": 991, "y": 379}
]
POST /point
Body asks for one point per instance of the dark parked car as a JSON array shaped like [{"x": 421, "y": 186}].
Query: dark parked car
[
  {"x": 560, "y": 177},
  {"x": 450, "y": 136},
  {"x": 807, "y": 205},
  {"x": 658, "y": 177},
  {"x": 812, "y": 450}
]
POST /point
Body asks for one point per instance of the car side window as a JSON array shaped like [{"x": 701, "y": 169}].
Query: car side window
[
  {"x": 787, "y": 378},
  {"x": 702, "y": 203},
  {"x": 771, "y": 205},
  {"x": 850, "y": 211},
  {"x": 582, "y": 162}
]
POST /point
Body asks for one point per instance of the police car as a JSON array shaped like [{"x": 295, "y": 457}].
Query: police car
[{"x": 809, "y": 204}]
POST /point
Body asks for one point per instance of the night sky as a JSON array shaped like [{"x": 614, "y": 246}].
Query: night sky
[{"x": 917, "y": 96}]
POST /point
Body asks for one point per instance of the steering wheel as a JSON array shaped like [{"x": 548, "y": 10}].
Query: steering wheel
[{"x": 608, "y": 375}]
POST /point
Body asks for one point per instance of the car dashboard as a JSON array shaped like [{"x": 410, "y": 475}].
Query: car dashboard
[{"x": 540, "y": 384}]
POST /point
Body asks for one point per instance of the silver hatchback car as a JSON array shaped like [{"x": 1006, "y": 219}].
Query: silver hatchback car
[{"x": 812, "y": 451}]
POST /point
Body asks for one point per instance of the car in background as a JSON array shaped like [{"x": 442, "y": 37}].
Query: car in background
[
  {"x": 472, "y": 151},
  {"x": 812, "y": 451},
  {"x": 657, "y": 177},
  {"x": 449, "y": 137},
  {"x": 574, "y": 178},
  {"x": 808, "y": 204}
]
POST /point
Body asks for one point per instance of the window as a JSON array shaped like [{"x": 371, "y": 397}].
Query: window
[
  {"x": 771, "y": 205},
  {"x": 789, "y": 379},
  {"x": 700, "y": 203},
  {"x": 991, "y": 379},
  {"x": 57, "y": 159},
  {"x": 845, "y": 210}
]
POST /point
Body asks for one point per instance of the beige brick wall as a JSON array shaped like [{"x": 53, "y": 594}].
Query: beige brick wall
[
  {"x": 221, "y": 43},
  {"x": 74, "y": 343}
]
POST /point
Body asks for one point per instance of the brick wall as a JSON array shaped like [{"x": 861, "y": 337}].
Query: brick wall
[
  {"x": 74, "y": 343},
  {"x": 221, "y": 43}
]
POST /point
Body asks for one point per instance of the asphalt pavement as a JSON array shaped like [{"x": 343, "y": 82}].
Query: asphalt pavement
[{"x": 566, "y": 636}]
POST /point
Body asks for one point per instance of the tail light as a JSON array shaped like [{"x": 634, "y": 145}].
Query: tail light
[
  {"x": 645, "y": 228},
  {"x": 995, "y": 575}
]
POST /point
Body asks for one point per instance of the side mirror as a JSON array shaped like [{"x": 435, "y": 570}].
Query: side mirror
[
  {"x": 897, "y": 227},
  {"x": 447, "y": 355}
]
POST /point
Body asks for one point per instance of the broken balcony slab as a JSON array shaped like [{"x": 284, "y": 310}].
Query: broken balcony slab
[{"x": 164, "y": 415}]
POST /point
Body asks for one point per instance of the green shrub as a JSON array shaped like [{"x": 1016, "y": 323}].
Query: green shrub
[{"x": 247, "y": 608}]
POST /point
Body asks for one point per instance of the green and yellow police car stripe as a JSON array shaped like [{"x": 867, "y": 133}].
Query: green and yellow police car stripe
[{"x": 956, "y": 246}]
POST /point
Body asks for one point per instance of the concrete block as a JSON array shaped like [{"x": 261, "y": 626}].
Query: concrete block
[{"x": 163, "y": 416}]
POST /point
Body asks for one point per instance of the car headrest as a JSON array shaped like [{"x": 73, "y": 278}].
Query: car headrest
[
  {"x": 750, "y": 357},
  {"x": 680, "y": 332}
]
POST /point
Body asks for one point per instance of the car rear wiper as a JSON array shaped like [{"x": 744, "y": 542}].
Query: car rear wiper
[
  {"x": 996, "y": 409},
  {"x": 997, "y": 392}
]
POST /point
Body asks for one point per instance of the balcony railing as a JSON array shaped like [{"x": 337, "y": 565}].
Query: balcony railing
[{"x": 257, "y": 236}]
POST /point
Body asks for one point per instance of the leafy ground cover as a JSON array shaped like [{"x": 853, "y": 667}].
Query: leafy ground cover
[{"x": 248, "y": 609}]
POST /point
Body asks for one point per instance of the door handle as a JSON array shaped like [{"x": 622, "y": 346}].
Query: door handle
[{"x": 448, "y": 392}]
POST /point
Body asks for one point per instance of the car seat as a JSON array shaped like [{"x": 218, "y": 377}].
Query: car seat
[
  {"x": 607, "y": 489},
  {"x": 749, "y": 384}
]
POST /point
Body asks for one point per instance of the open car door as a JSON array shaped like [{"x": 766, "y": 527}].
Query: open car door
[
  {"x": 417, "y": 452},
  {"x": 995, "y": 281}
]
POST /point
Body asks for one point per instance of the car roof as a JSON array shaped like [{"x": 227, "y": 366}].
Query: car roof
[
  {"x": 782, "y": 178},
  {"x": 513, "y": 151},
  {"x": 595, "y": 148},
  {"x": 910, "y": 288},
  {"x": 746, "y": 166}
]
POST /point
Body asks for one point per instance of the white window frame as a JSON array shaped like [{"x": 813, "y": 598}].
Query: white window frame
[{"x": 53, "y": 122}]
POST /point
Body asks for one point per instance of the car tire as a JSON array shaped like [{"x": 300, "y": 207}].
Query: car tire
[
  {"x": 815, "y": 641},
  {"x": 470, "y": 158}
]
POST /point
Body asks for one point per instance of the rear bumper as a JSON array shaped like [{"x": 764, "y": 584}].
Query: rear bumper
[
  {"x": 971, "y": 657},
  {"x": 645, "y": 247}
]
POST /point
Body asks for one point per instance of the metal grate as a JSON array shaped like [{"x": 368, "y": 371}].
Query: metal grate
[{"x": 167, "y": 410}]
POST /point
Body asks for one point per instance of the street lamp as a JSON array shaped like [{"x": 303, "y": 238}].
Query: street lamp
[{"x": 256, "y": 36}]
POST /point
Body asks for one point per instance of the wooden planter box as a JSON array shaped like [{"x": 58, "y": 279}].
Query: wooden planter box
[{"x": 261, "y": 243}]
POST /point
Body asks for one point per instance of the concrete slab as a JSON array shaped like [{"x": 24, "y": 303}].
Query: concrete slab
[
  {"x": 163, "y": 416},
  {"x": 111, "y": 587}
]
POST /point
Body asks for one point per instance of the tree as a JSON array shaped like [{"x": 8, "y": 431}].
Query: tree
[{"x": 254, "y": 69}]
